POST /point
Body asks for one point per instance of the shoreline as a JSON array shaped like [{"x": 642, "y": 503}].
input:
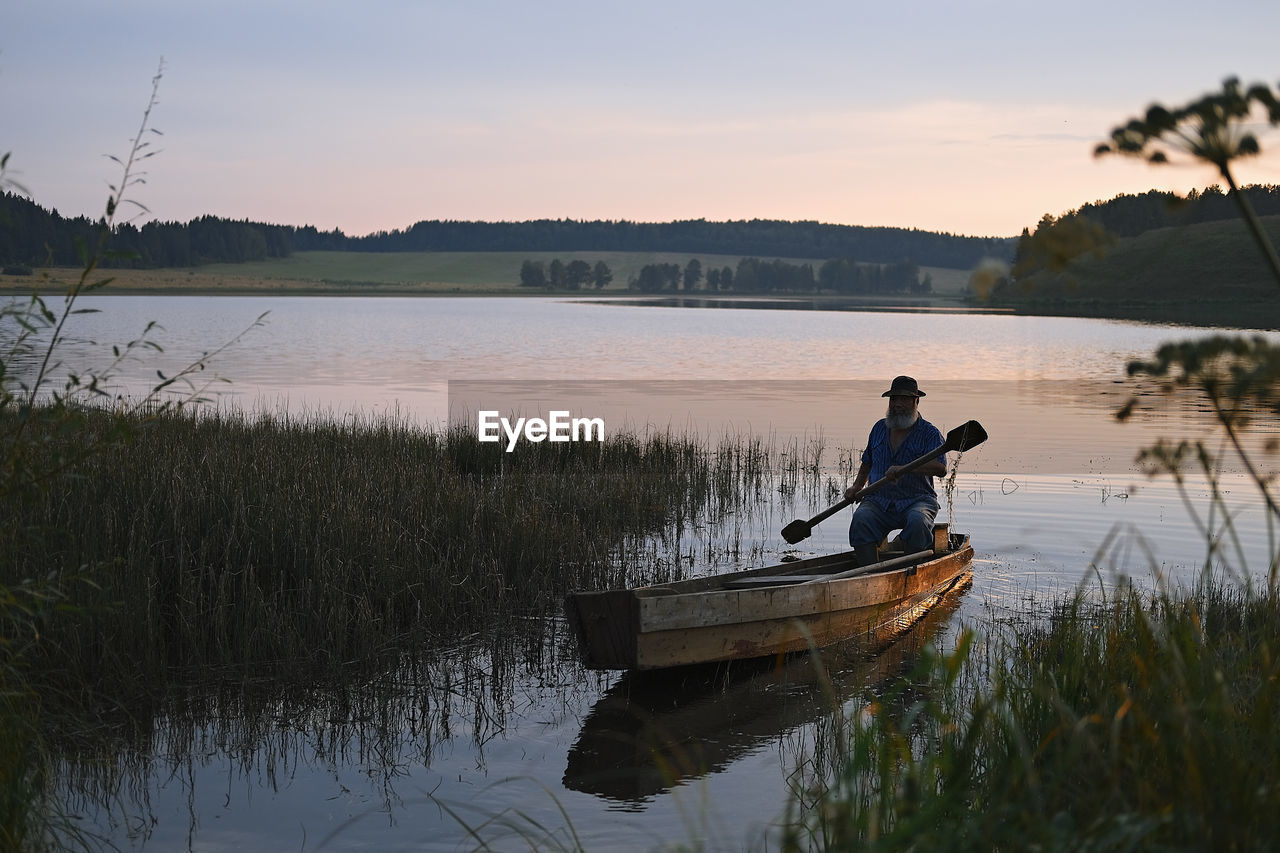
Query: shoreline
[
  {"x": 1227, "y": 314},
  {"x": 171, "y": 282}
]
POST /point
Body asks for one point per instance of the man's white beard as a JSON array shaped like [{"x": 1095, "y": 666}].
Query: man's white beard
[{"x": 904, "y": 421}]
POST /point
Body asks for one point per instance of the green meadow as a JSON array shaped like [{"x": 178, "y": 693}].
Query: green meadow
[
  {"x": 469, "y": 270},
  {"x": 406, "y": 273}
]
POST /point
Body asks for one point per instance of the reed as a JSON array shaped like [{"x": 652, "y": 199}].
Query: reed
[
  {"x": 229, "y": 543},
  {"x": 357, "y": 582},
  {"x": 1145, "y": 721}
]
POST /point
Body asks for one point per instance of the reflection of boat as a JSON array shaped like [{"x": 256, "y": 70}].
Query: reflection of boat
[
  {"x": 651, "y": 731},
  {"x": 771, "y": 610}
]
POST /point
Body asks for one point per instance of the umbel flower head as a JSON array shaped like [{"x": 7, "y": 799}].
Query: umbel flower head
[{"x": 1215, "y": 128}]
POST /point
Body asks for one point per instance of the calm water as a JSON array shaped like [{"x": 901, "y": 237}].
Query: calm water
[
  {"x": 341, "y": 353},
  {"x": 1052, "y": 491}
]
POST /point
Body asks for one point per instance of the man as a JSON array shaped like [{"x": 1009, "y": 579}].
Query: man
[{"x": 907, "y": 501}]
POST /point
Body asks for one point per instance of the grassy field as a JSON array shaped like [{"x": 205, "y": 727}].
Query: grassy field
[
  {"x": 397, "y": 273},
  {"x": 457, "y": 269}
]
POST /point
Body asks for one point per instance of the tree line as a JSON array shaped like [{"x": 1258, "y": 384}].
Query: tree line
[
  {"x": 759, "y": 237},
  {"x": 35, "y": 236},
  {"x": 1130, "y": 215},
  {"x": 753, "y": 275},
  {"x": 1056, "y": 240}
]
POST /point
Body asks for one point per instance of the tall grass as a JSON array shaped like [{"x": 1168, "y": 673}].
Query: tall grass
[
  {"x": 351, "y": 584},
  {"x": 231, "y": 543},
  {"x": 42, "y": 445},
  {"x": 1140, "y": 722}
]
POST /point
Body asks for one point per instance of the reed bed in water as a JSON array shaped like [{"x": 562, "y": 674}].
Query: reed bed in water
[
  {"x": 1147, "y": 721},
  {"x": 237, "y": 545}
]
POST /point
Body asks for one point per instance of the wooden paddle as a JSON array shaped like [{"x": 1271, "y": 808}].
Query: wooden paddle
[{"x": 968, "y": 434}]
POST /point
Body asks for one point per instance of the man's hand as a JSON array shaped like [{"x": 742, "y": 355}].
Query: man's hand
[
  {"x": 851, "y": 493},
  {"x": 894, "y": 472}
]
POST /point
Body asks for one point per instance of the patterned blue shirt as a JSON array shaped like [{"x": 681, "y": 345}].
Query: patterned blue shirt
[{"x": 897, "y": 496}]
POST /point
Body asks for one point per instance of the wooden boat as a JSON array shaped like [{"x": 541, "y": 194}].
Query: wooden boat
[
  {"x": 772, "y": 610},
  {"x": 654, "y": 730}
]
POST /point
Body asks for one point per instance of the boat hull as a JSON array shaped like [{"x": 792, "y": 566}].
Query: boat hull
[{"x": 747, "y": 614}]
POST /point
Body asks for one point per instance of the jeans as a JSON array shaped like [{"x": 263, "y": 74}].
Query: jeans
[{"x": 871, "y": 524}]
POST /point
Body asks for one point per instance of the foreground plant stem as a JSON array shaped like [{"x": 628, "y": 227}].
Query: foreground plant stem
[{"x": 1255, "y": 224}]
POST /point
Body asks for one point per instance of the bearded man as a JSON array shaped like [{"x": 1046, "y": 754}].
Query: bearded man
[{"x": 908, "y": 501}]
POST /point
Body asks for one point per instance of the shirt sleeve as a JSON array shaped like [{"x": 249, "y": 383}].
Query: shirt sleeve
[{"x": 934, "y": 441}]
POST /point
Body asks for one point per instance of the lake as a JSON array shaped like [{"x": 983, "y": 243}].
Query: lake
[{"x": 513, "y": 750}]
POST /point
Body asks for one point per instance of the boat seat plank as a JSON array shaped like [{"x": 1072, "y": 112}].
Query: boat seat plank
[{"x": 771, "y": 580}]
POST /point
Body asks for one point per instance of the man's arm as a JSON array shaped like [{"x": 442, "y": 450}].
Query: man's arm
[{"x": 859, "y": 481}]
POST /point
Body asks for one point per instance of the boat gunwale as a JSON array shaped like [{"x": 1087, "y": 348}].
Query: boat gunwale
[
  {"x": 720, "y": 607},
  {"x": 717, "y": 583}
]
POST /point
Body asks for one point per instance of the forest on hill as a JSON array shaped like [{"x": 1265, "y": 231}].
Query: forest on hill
[
  {"x": 34, "y": 236},
  {"x": 1203, "y": 272},
  {"x": 1131, "y": 215}
]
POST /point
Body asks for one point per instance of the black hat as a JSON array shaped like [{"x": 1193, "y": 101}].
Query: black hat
[{"x": 903, "y": 386}]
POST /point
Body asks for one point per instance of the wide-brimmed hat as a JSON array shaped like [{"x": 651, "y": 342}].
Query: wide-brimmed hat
[{"x": 903, "y": 386}]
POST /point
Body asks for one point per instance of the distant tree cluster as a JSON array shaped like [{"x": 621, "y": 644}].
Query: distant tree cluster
[
  {"x": 719, "y": 279},
  {"x": 757, "y": 276},
  {"x": 753, "y": 275},
  {"x": 655, "y": 278},
  {"x": 558, "y": 275},
  {"x": 846, "y": 276}
]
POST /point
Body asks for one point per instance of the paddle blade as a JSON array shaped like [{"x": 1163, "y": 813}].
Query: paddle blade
[
  {"x": 796, "y": 531},
  {"x": 968, "y": 435}
]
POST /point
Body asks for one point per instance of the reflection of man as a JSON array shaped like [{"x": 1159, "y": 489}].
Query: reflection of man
[{"x": 907, "y": 501}]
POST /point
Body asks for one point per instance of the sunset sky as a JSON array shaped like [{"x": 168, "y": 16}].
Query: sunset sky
[{"x": 974, "y": 118}]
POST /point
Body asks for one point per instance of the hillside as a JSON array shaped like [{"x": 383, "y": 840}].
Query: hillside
[{"x": 1210, "y": 272}]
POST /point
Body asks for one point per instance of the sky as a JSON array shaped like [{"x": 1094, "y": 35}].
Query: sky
[{"x": 972, "y": 118}]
